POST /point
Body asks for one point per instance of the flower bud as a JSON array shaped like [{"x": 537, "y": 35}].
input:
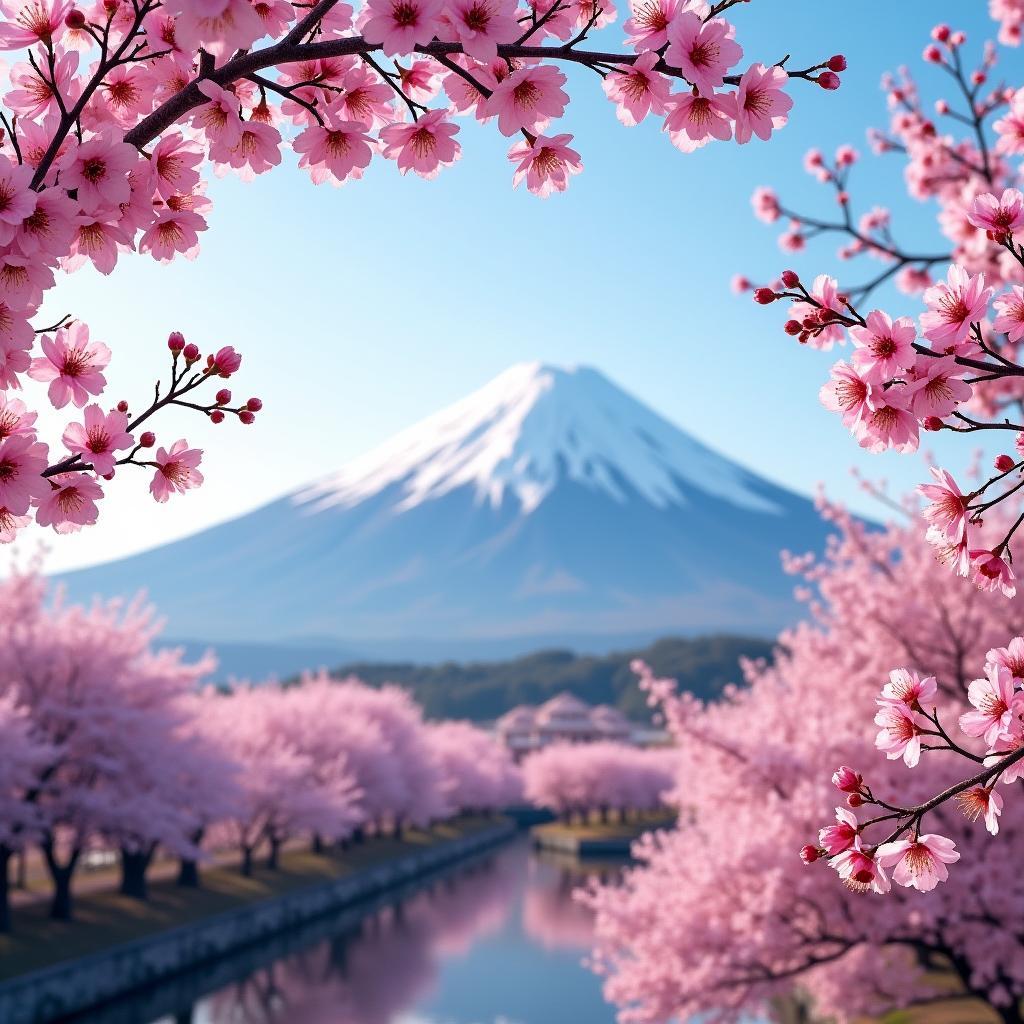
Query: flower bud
[
  {"x": 793, "y": 327},
  {"x": 932, "y": 54},
  {"x": 74, "y": 19},
  {"x": 247, "y": 417},
  {"x": 809, "y": 854},
  {"x": 846, "y": 780},
  {"x": 932, "y": 423},
  {"x": 763, "y": 296},
  {"x": 941, "y": 107},
  {"x": 216, "y": 416},
  {"x": 837, "y": 63},
  {"x": 1004, "y": 463},
  {"x": 190, "y": 352},
  {"x": 175, "y": 341},
  {"x": 790, "y": 278},
  {"x": 147, "y": 439},
  {"x": 223, "y": 396},
  {"x": 978, "y": 77},
  {"x": 941, "y": 33},
  {"x": 225, "y": 362},
  {"x": 828, "y": 80},
  {"x": 122, "y": 406},
  {"x": 958, "y": 39},
  {"x": 254, "y": 405},
  {"x": 855, "y": 800}
]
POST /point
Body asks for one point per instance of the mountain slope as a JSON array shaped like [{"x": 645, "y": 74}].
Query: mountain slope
[{"x": 548, "y": 504}]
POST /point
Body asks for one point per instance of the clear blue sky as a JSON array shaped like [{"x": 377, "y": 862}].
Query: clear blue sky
[{"x": 362, "y": 309}]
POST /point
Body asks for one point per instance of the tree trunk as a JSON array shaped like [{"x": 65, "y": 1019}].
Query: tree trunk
[
  {"x": 358, "y": 835},
  {"x": 60, "y": 874},
  {"x": 21, "y": 875},
  {"x": 272, "y": 856},
  {"x": 318, "y": 843},
  {"x": 5, "y": 898},
  {"x": 247, "y": 861},
  {"x": 188, "y": 870},
  {"x": 134, "y": 864}
]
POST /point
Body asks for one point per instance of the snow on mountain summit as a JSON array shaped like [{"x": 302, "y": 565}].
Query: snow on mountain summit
[{"x": 526, "y": 429}]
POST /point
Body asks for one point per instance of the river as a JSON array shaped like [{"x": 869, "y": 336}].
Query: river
[{"x": 497, "y": 940}]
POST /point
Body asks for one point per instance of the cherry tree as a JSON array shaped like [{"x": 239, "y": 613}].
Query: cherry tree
[
  {"x": 577, "y": 778},
  {"x": 722, "y": 915},
  {"x": 116, "y": 112},
  {"x": 956, "y": 368},
  {"x": 476, "y": 771}
]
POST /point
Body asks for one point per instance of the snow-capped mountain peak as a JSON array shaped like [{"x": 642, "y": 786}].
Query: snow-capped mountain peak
[{"x": 529, "y": 427}]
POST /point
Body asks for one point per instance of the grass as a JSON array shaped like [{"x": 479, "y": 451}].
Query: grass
[
  {"x": 594, "y": 828},
  {"x": 104, "y": 919}
]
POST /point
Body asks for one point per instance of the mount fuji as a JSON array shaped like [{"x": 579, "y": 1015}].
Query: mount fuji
[{"x": 548, "y": 507}]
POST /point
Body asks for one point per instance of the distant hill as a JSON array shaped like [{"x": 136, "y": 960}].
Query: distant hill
[{"x": 484, "y": 690}]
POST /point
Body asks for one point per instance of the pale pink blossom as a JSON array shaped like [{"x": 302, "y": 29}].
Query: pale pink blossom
[
  {"x": 27, "y": 22},
  {"x": 1011, "y": 657},
  {"x": 17, "y": 200},
  {"x": 399, "y": 26},
  {"x": 694, "y": 119},
  {"x": 647, "y": 27},
  {"x": 703, "y": 50},
  {"x": 899, "y": 733},
  {"x": 99, "y": 241},
  {"x": 906, "y": 687},
  {"x": 1001, "y": 216},
  {"x": 528, "y": 99},
  {"x": 1010, "y": 309},
  {"x": 841, "y": 836},
  {"x": 173, "y": 232},
  {"x": 98, "y": 169},
  {"x": 72, "y": 364},
  {"x": 219, "y": 119},
  {"x": 953, "y": 305},
  {"x": 825, "y": 291},
  {"x": 989, "y": 571},
  {"x": 177, "y": 470},
  {"x": 335, "y": 153},
  {"x": 637, "y": 90},
  {"x": 98, "y": 438},
  {"x": 481, "y": 24},
  {"x": 889, "y": 422},
  {"x": 884, "y": 347},
  {"x": 997, "y": 704},
  {"x": 1003, "y": 746},
  {"x": 860, "y": 871},
  {"x": 765, "y": 202},
  {"x": 847, "y": 393},
  {"x": 937, "y": 386},
  {"x": 220, "y": 26},
  {"x": 761, "y": 105},
  {"x": 174, "y": 165},
  {"x": 46, "y": 233},
  {"x": 423, "y": 146},
  {"x": 23, "y": 280},
  {"x": 22, "y": 462},
  {"x": 921, "y": 863},
  {"x": 545, "y": 165},
  {"x": 15, "y": 417},
  {"x": 947, "y": 508},
  {"x": 71, "y": 503},
  {"x": 982, "y": 801}
]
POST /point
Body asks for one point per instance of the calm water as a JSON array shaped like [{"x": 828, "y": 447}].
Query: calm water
[{"x": 498, "y": 941}]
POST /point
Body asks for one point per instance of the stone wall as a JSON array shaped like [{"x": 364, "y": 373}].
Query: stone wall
[{"x": 67, "y": 988}]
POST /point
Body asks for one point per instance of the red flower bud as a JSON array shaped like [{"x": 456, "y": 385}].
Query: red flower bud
[
  {"x": 1004, "y": 463},
  {"x": 74, "y": 19},
  {"x": 122, "y": 406},
  {"x": 855, "y": 800},
  {"x": 932, "y": 423},
  {"x": 828, "y": 80},
  {"x": 763, "y": 296},
  {"x": 254, "y": 405},
  {"x": 147, "y": 439},
  {"x": 837, "y": 63},
  {"x": 790, "y": 278},
  {"x": 978, "y": 77},
  {"x": 223, "y": 396},
  {"x": 932, "y": 54},
  {"x": 216, "y": 416},
  {"x": 175, "y": 341},
  {"x": 247, "y": 417},
  {"x": 846, "y": 780},
  {"x": 809, "y": 854},
  {"x": 793, "y": 327},
  {"x": 190, "y": 352},
  {"x": 941, "y": 33}
]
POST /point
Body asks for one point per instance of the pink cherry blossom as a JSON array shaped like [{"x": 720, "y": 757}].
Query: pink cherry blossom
[
  {"x": 15, "y": 417},
  {"x": 423, "y": 146},
  {"x": 899, "y": 733},
  {"x": 28, "y": 22},
  {"x": 937, "y": 386},
  {"x": 953, "y": 305},
  {"x": 919, "y": 864},
  {"x": 997, "y": 704},
  {"x": 99, "y": 241},
  {"x": 545, "y": 165},
  {"x": 647, "y": 27},
  {"x": 46, "y": 233},
  {"x": 402, "y": 25},
  {"x": 989, "y": 571},
  {"x": 884, "y": 347},
  {"x": 72, "y": 364},
  {"x": 98, "y": 169},
  {"x": 1010, "y": 657},
  {"x": 836, "y": 838},
  {"x": 1001, "y": 216},
  {"x": 17, "y": 200},
  {"x": 761, "y": 104},
  {"x": 528, "y": 99},
  {"x": 174, "y": 165},
  {"x": 1010, "y": 309},
  {"x": 703, "y": 50},
  {"x": 637, "y": 90},
  {"x": 947, "y": 511},
  {"x": 694, "y": 119},
  {"x": 173, "y": 232},
  {"x": 481, "y": 24},
  {"x": 219, "y": 119},
  {"x": 908, "y": 688},
  {"x": 177, "y": 470},
  {"x": 22, "y": 462},
  {"x": 71, "y": 503},
  {"x": 847, "y": 393},
  {"x": 860, "y": 871},
  {"x": 982, "y": 801},
  {"x": 889, "y": 422},
  {"x": 99, "y": 438},
  {"x": 336, "y": 153},
  {"x": 765, "y": 202}
]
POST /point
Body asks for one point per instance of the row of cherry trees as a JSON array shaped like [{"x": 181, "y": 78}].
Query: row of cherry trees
[
  {"x": 108, "y": 743},
  {"x": 580, "y": 778},
  {"x": 722, "y": 916}
]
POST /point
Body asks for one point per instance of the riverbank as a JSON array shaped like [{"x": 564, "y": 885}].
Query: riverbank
[
  {"x": 594, "y": 838},
  {"x": 52, "y": 969}
]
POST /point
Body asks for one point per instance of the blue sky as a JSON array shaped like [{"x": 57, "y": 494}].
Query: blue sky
[{"x": 360, "y": 310}]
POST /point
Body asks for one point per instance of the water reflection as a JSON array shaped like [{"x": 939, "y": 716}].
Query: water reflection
[{"x": 498, "y": 941}]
